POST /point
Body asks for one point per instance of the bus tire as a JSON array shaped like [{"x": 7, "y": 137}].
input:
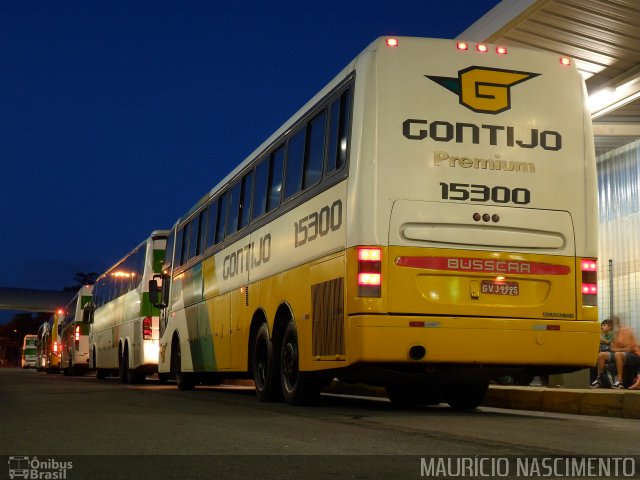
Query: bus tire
[
  {"x": 124, "y": 365},
  {"x": 298, "y": 388},
  {"x": 465, "y": 396},
  {"x": 136, "y": 377},
  {"x": 184, "y": 381},
  {"x": 264, "y": 364}
]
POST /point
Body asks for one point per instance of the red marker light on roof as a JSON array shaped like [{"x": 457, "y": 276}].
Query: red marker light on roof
[
  {"x": 565, "y": 61},
  {"x": 481, "y": 47},
  {"x": 501, "y": 50},
  {"x": 392, "y": 42},
  {"x": 462, "y": 46}
]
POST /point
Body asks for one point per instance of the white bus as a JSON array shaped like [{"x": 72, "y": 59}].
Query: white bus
[
  {"x": 123, "y": 333},
  {"x": 426, "y": 222},
  {"x": 74, "y": 334},
  {"x": 29, "y": 351}
]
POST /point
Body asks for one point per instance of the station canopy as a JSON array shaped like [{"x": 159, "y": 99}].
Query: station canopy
[{"x": 601, "y": 36}]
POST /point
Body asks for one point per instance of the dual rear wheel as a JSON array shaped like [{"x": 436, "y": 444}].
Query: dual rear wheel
[{"x": 276, "y": 371}]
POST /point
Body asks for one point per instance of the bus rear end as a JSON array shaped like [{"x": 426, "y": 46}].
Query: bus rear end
[{"x": 478, "y": 250}]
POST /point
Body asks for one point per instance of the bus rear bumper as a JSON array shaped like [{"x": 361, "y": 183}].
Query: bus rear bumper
[{"x": 468, "y": 340}]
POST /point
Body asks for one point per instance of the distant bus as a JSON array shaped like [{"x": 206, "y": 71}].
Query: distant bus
[
  {"x": 425, "y": 223},
  {"x": 48, "y": 346},
  {"x": 29, "y": 351},
  {"x": 123, "y": 333},
  {"x": 74, "y": 334}
]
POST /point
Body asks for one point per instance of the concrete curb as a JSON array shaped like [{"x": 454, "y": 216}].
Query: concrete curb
[{"x": 602, "y": 402}]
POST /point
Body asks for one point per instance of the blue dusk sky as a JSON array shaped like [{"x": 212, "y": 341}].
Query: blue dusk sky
[{"x": 118, "y": 115}]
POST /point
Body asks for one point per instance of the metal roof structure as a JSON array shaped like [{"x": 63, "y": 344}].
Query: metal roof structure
[
  {"x": 33, "y": 300},
  {"x": 601, "y": 36}
]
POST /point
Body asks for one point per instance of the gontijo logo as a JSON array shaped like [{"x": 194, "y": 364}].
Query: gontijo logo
[{"x": 482, "y": 89}]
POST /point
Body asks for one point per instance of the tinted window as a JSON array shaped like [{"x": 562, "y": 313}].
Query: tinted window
[
  {"x": 340, "y": 117},
  {"x": 193, "y": 237},
  {"x": 211, "y": 222},
  {"x": 222, "y": 216},
  {"x": 275, "y": 179},
  {"x": 245, "y": 199},
  {"x": 315, "y": 151},
  {"x": 260, "y": 188},
  {"x": 169, "y": 251},
  {"x": 179, "y": 248},
  {"x": 234, "y": 206},
  {"x": 295, "y": 157},
  {"x": 202, "y": 229}
]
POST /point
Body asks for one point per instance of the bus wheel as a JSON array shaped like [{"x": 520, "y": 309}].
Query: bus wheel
[
  {"x": 137, "y": 377},
  {"x": 184, "y": 381},
  {"x": 414, "y": 395},
  {"x": 265, "y": 372},
  {"x": 299, "y": 388},
  {"x": 465, "y": 396},
  {"x": 124, "y": 366}
]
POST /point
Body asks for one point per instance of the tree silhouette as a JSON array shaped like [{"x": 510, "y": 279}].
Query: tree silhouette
[{"x": 81, "y": 279}]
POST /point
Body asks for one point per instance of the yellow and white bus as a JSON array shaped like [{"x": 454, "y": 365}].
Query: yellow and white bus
[
  {"x": 426, "y": 222},
  {"x": 123, "y": 333},
  {"x": 48, "y": 346},
  {"x": 74, "y": 334}
]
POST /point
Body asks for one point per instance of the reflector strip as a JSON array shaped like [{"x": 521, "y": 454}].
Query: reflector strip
[
  {"x": 456, "y": 264},
  {"x": 425, "y": 324}
]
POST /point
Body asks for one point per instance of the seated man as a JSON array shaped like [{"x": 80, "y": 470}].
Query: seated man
[{"x": 625, "y": 351}]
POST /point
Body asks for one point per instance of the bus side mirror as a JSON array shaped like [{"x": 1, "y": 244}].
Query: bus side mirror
[
  {"x": 87, "y": 313},
  {"x": 154, "y": 293}
]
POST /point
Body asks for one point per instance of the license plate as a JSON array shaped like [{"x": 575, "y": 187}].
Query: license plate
[{"x": 499, "y": 288}]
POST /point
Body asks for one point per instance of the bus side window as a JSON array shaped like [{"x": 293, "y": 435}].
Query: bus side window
[
  {"x": 314, "y": 152},
  {"x": 179, "y": 245},
  {"x": 275, "y": 179},
  {"x": 260, "y": 188},
  {"x": 212, "y": 213},
  {"x": 245, "y": 199},
  {"x": 202, "y": 229},
  {"x": 295, "y": 158},
  {"x": 168, "y": 253},
  {"x": 234, "y": 209},
  {"x": 339, "y": 120},
  {"x": 222, "y": 216},
  {"x": 193, "y": 237}
]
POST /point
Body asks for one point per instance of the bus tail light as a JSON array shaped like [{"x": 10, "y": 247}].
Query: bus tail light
[
  {"x": 77, "y": 336},
  {"x": 146, "y": 328},
  {"x": 55, "y": 347},
  {"x": 589, "y": 285},
  {"x": 369, "y": 272}
]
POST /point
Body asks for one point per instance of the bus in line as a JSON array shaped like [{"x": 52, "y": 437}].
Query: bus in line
[
  {"x": 48, "y": 345},
  {"x": 123, "y": 325},
  {"x": 74, "y": 334},
  {"x": 29, "y": 351},
  {"x": 425, "y": 223}
]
